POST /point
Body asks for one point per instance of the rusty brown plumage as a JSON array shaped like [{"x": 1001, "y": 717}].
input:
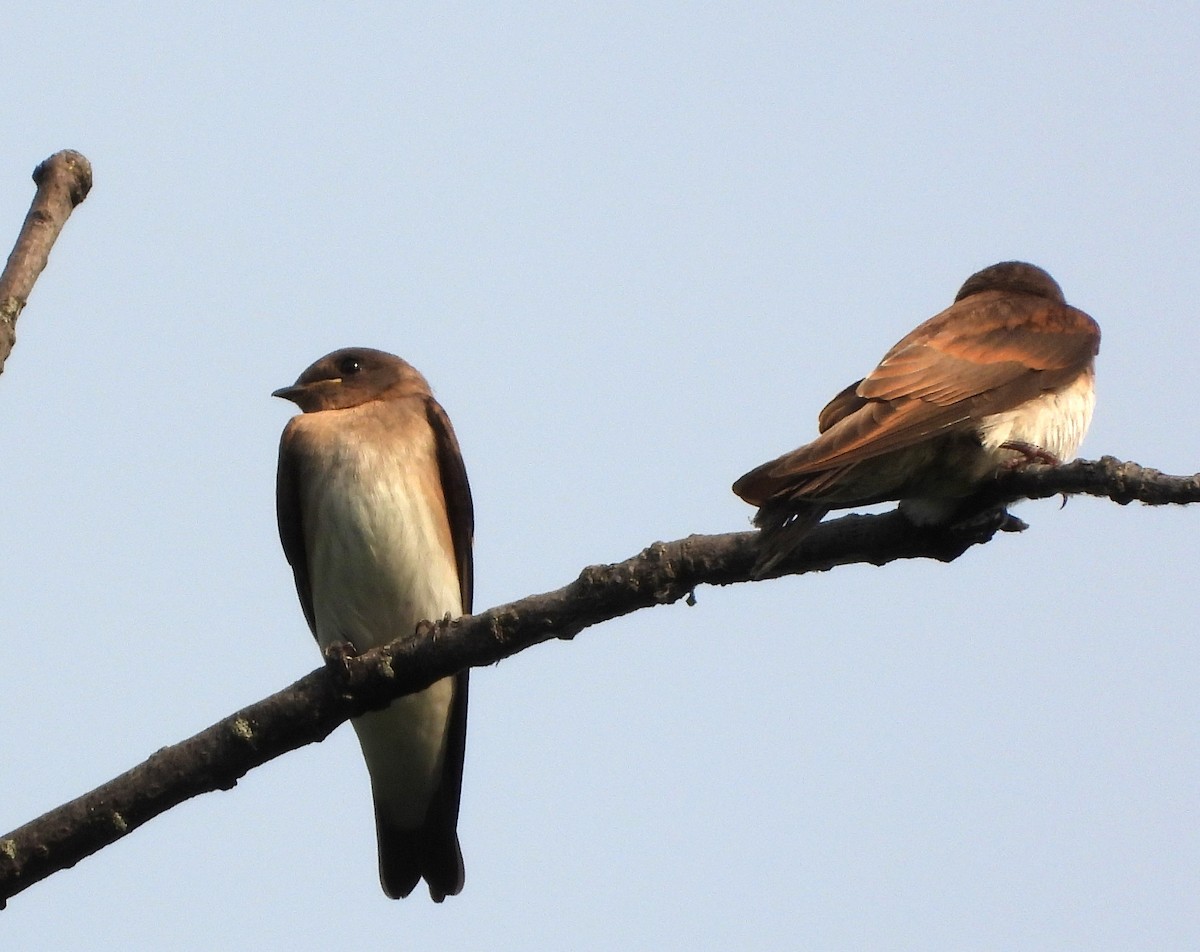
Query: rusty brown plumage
[{"x": 1001, "y": 376}]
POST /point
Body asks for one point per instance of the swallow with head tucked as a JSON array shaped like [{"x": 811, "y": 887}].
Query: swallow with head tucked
[{"x": 1002, "y": 378}]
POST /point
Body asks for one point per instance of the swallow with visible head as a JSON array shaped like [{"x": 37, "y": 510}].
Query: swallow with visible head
[
  {"x": 376, "y": 520},
  {"x": 1002, "y": 378}
]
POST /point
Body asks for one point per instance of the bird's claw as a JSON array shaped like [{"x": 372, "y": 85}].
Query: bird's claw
[
  {"x": 337, "y": 653},
  {"x": 1030, "y": 455}
]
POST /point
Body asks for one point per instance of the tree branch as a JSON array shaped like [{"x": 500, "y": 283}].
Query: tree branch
[
  {"x": 311, "y": 708},
  {"x": 63, "y": 181},
  {"x": 1107, "y": 477}
]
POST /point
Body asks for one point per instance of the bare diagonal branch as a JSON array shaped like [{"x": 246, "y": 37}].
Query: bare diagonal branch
[
  {"x": 663, "y": 573},
  {"x": 63, "y": 181}
]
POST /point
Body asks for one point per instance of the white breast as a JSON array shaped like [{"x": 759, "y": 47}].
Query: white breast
[
  {"x": 1055, "y": 422},
  {"x": 377, "y": 562}
]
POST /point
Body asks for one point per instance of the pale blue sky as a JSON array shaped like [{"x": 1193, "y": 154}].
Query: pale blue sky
[{"x": 635, "y": 251}]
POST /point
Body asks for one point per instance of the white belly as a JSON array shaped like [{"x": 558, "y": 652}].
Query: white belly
[
  {"x": 378, "y": 566},
  {"x": 382, "y": 568}
]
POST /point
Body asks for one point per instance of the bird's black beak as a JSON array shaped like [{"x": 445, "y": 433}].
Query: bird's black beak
[{"x": 292, "y": 393}]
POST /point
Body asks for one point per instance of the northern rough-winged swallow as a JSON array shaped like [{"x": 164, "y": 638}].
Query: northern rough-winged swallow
[
  {"x": 1001, "y": 378},
  {"x": 376, "y": 520}
]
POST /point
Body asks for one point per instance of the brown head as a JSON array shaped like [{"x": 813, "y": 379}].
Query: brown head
[
  {"x": 353, "y": 376},
  {"x": 1013, "y": 277}
]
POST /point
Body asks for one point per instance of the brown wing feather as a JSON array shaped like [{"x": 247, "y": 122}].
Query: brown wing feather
[
  {"x": 289, "y": 513},
  {"x": 875, "y": 428},
  {"x": 985, "y": 354},
  {"x": 443, "y": 866},
  {"x": 457, "y": 492},
  {"x": 840, "y": 407},
  {"x": 980, "y": 343}
]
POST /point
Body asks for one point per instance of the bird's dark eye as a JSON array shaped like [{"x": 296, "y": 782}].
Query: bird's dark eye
[{"x": 349, "y": 366}]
